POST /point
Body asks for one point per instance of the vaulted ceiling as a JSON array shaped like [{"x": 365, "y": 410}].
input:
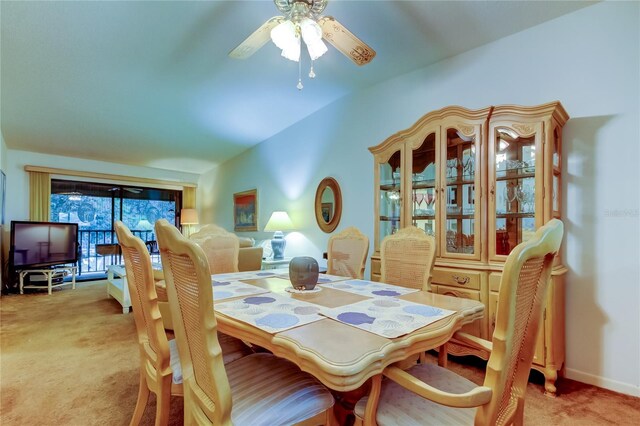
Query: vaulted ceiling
[{"x": 150, "y": 83}]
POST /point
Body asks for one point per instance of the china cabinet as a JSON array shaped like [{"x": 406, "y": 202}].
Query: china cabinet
[{"x": 481, "y": 181}]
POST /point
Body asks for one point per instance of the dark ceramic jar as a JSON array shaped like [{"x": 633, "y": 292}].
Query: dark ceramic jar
[{"x": 303, "y": 272}]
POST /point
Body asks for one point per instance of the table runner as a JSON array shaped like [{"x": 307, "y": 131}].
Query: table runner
[
  {"x": 370, "y": 288},
  {"x": 387, "y": 317},
  {"x": 271, "y": 312},
  {"x": 227, "y": 289}
]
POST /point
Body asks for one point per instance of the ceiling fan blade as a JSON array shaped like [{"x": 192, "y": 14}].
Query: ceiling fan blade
[
  {"x": 343, "y": 40},
  {"x": 256, "y": 40}
]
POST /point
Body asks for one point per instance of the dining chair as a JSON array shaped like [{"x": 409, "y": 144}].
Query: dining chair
[
  {"x": 429, "y": 394},
  {"x": 347, "y": 253},
  {"x": 222, "y": 249},
  {"x": 220, "y": 246},
  {"x": 160, "y": 370},
  {"x": 407, "y": 258},
  {"x": 259, "y": 389}
]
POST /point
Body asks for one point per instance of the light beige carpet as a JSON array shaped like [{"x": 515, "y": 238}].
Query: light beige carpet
[{"x": 71, "y": 359}]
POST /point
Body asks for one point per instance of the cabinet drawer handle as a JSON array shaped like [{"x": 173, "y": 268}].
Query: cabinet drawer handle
[{"x": 460, "y": 280}]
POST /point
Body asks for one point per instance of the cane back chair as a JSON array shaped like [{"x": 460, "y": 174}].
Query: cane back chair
[
  {"x": 429, "y": 394},
  {"x": 259, "y": 389},
  {"x": 347, "y": 253}
]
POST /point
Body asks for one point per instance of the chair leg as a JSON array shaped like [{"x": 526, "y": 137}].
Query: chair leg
[
  {"x": 163, "y": 402},
  {"x": 141, "y": 403},
  {"x": 442, "y": 356}
]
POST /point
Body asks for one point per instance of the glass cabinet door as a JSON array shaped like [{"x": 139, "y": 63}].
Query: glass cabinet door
[
  {"x": 460, "y": 193},
  {"x": 514, "y": 171},
  {"x": 390, "y": 201},
  {"x": 423, "y": 179}
]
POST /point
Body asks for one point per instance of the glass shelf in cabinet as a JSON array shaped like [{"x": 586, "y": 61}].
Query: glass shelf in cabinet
[
  {"x": 389, "y": 186},
  {"x": 515, "y": 173},
  {"x": 421, "y": 184},
  {"x": 516, "y": 215}
]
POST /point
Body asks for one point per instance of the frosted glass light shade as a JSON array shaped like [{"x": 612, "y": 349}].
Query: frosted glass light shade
[
  {"x": 285, "y": 36},
  {"x": 279, "y": 221},
  {"x": 188, "y": 217},
  {"x": 312, "y": 36}
]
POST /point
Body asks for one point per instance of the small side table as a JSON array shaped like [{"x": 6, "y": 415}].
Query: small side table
[
  {"x": 117, "y": 286},
  {"x": 49, "y": 274},
  {"x": 275, "y": 264}
]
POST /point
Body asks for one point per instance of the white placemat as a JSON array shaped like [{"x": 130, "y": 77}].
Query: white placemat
[
  {"x": 370, "y": 288},
  {"x": 271, "y": 312},
  {"x": 227, "y": 289},
  {"x": 388, "y": 317}
]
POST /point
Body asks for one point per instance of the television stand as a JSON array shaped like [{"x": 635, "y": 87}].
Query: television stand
[{"x": 49, "y": 275}]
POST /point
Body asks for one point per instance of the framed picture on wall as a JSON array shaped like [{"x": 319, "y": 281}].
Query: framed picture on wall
[{"x": 245, "y": 210}]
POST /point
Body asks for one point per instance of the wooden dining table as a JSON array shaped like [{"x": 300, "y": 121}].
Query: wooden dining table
[{"x": 342, "y": 356}]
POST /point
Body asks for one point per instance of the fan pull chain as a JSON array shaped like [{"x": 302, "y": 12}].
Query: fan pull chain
[
  {"x": 299, "y": 86},
  {"x": 312, "y": 74}
]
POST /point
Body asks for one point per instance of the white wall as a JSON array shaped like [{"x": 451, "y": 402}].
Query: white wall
[
  {"x": 17, "y": 207},
  {"x": 589, "y": 60}
]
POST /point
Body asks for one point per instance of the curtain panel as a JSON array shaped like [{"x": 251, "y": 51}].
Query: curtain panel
[{"x": 39, "y": 196}]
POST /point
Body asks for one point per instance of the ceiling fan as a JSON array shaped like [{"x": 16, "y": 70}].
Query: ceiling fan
[
  {"x": 128, "y": 189},
  {"x": 301, "y": 19}
]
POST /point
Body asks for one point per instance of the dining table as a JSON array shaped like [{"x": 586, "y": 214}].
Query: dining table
[{"x": 342, "y": 355}]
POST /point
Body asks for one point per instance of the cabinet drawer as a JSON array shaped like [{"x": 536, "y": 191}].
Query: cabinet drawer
[
  {"x": 473, "y": 328},
  {"x": 456, "y": 278}
]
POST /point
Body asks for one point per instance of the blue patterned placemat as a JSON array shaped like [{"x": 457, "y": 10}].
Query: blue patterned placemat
[
  {"x": 271, "y": 312},
  {"x": 227, "y": 289},
  {"x": 370, "y": 288},
  {"x": 388, "y": 317}
]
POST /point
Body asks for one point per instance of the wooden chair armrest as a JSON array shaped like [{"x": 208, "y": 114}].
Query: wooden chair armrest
[
  {"x": 473, "y": 341},
  {"x": 474, "y": 398}
]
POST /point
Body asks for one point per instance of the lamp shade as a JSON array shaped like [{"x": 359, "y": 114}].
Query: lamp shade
[
  {"x": 285, "y": 36},
  {"x": 279, "y": 221},
  {"x": 189, "y": 217}
]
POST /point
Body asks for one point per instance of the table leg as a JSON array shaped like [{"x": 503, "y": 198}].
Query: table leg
[
  {"x": 442, "y": 356},
  {"x": 21, "y": 282},
  {"x": 73, "y": 278},
  {"x": 372, "y": 403},
  {"x": 49, "y": 274}
]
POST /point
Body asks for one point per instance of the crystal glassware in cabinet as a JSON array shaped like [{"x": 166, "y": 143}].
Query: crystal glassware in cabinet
[
  {"x": 461, "y": 223},
  {"x": 423, "y": 185},
  {"x": 389, "y": 175}
]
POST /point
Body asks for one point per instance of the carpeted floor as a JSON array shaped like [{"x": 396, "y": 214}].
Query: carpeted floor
[{"x": 71, "y": 359}]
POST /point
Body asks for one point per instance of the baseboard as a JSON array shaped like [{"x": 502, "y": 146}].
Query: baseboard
[{"x": 602, "y": 382}]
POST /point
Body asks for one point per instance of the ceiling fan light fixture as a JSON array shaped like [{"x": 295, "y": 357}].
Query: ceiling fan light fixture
[
  {"x": 286, "y": 36},
  {"x": 312, "y": 36}
]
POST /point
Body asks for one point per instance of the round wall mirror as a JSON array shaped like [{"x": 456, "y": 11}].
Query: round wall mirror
[{"x": 328, "y": 204}]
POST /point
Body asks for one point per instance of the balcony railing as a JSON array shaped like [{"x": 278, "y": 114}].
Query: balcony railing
[{"x": 97, "y": 259}]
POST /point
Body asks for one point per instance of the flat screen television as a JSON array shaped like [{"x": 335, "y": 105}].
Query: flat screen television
[{"x": 42, "y": 244}]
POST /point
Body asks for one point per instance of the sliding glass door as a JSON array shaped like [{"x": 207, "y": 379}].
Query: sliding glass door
[{"x": 95, "y": 207}]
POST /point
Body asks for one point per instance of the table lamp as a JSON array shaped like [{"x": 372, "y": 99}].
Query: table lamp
[
  {"x": 188, "y": 217},
  {"x": 278, "y": 222}
]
